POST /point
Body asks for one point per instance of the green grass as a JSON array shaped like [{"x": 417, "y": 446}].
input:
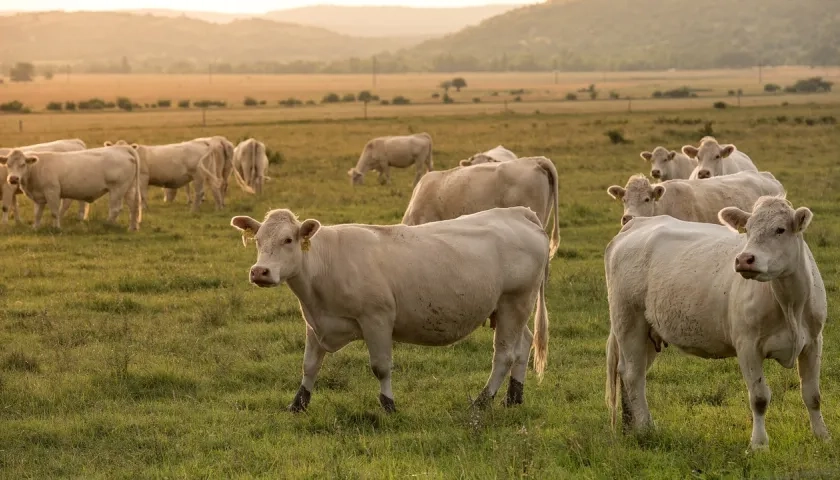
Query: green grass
[{"x": 149, "y": 355}]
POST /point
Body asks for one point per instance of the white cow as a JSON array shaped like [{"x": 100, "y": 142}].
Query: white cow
[
  {"x": 400, "y": 151},
  {"x": 223, "y": 151},
  {"x": 174, "y": 165},
  {"x": 430, "y": 284},
  {"x": 693, "y": 200},
  {"x": 673, "y": 281},
  {"x": 8, "y": 193},
  {"x": 48, "y": 177},
  {"x": 529, "y": 182},
  {"x": 250, "y": 165},
  {"x": 669, "y": 165},
  {"x": 714, "y": 160},
  {"x": 495, "y": 154}
]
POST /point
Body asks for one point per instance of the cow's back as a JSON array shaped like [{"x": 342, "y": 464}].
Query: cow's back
[{"x": 738, "y": 161}]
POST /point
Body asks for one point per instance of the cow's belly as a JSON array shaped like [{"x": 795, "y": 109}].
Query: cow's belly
[
  {"x": 85, "y": 193},
  {"x": 176, "y": 177},
  {"x": 436, "y": 325}
]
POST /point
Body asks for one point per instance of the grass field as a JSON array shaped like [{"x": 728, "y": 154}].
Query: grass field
[{"x": 149, "y": 355}]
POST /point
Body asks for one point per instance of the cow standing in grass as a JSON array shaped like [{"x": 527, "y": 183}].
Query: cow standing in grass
[
  {"x": 402, "y": 151},
  {"x": 714, "y": 160},
  {"x": 669, "y": 165}
]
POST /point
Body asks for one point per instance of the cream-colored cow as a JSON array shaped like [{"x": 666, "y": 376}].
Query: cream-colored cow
[
  {"x": 495, "y": 154},
  {"x": 429, "y": 284},
  {"x": 669, "y": 165},
  {"x": 529, "y": 182},
  {"x": 714, "y": 293},
  {"x": 693, "y": 200},
  {"x": 8, "y": 193},
  {"x": 48, "y": 177},
  {"x": 250, "y": 165},
  {"x": 714, "y": 160},
  {"x": 402, "y": 151},
  {"x": 223, "y": 151}
]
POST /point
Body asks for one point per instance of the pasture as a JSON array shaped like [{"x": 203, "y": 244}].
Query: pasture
[{"x": 149, "y": 354}]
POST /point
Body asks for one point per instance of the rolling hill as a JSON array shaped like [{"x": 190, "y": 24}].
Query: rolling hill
[{"x": 642, "y": 34}]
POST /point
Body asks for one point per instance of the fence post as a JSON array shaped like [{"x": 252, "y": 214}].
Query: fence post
[
  {"x": 20, "y": 126},
  {"x": 204, "y": 117}
]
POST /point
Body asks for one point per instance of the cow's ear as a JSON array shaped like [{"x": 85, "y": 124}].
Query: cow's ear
[
  {"x": 658, "y": 191},
  {"x": 107, "y": 144},
  {"x": 690, "y": 151},
  {"x": 727, "y": 150},
  {"x": 135, "y": 146},
  {"x": 616, "y": 192},
  {"x": 30, "y": 159},
  {"x": 646, "y": 156},
  {"x": 671, "y": 155},
  {"x": 734, "y": 218},
  {"x": 309, "y": 228},
  {"x": 802, "y": 218},
  {"x": 247, "y": 225},
  {"x": 3, "y": 159}
]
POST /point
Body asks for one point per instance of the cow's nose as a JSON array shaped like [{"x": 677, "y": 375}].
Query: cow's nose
[
  {"x": 655, "y": 173},
  {"x": 704, "y": 174},
  {"x": 259, "y": 274},
  {"x": 13, "y": 180},
  {"x": 744, "y": 261},
  {"x": 626, "y": 219}
]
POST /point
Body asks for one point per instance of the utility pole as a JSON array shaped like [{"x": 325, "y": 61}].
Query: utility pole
[
  {"x": 555, "y": 71},
  {"x": 759, "y": 72},
  {"x": 374, "y": 71}
]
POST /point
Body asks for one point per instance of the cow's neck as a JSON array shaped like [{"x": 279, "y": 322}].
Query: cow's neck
[
  {"x": 309, "y": 285},
  {"x": 791, "y": 292}
]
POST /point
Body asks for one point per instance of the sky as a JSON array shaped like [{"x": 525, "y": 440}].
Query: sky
[{"x": 227, "y": 6}]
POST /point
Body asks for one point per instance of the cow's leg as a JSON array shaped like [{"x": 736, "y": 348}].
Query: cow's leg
[
  {"x": 378, "y": 335},
  {"x": 636, "y": 353},
  {"x": 199, "y": 192},
  {"x": 15, "y": 211},
  {"x": 421, "y": 170},
  {"x": 188, "y": 193},
  {"x": 135, "y": 206},
  {"x": 516, "y": 386},
  {"x": 84, "y": 211},
  {"x": 809, "y": 376},
  {"x": 8, "y": 198},
  {"x": 218, "y": 196},
  {"x": 511, "y": 316},
  {"x": 169, "y": 195},
  {"x": 65, "y": 205},
  {"x": 115, "y": 204},
  {"x": 752, "y": 369},
  {"x": 144, "y": 191},
  {"x": 39, "y": 212},
  {"x": 385, "y": 175},
  {"x": 313, "y": 358},
  {"x": 54, "y": 204}
]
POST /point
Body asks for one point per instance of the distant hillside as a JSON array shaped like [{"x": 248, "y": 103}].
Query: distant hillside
[
  {"x": 151, "y": 40},
  {"x": 375, "y": 21},
  {"x": 642, "y": 34}
]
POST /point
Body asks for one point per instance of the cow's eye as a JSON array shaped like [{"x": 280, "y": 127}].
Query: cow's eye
[
  {"x": 647, "y": 199},
  {"x": 287, "y": 241},
  {"x": 780, "y": 231},
  {"x": 717, "y": 157}
]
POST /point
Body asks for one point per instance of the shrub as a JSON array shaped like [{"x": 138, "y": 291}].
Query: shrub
[
  {"x": 520, "y": 91},
  {"x": 55, "y": 106},
  {"x": 183, "y": 104},
  {"x": 571, "y": 96},
  {"x": 93, "y": 104},
  {"x": 772, "y": 88},
  {"x": 70, "y": 106},
  {"x": 707, "y": 130},
  {"x": 348, "y": 98},
  {"x": 459, "y": 83},
  {"x": 435, "y": 95},
  {"x": 616, "y": 136},
  {"x": 614, "y": 95},
  {"x": 720, "y": 105},
  {"x": 517, "y": 98},
  {"x": 311, "y": 102},
  {"x": 110, "y": 105},
  {"x": 263, "y": 102},
  {"x": 810, "y": 85},
  {"x": 365, "y": 96},
  {"x": 384, "y": 102},
  {"x": 446, "y": 98},
  {"x": 250, "y": 102},
  {"x": 400, "y": 100},
  {"x": 209, "y": 103},
  {"x": 125, "y": 104},
  {"x": 48, "y": 75},
  {"x": 275, "y": 157},
  {"x": 476, "y": 99},
  {"x": 494, "y": 94},
  {"x": 331, "y": 98},
  {"x": 164, "y": 103},
  {"x": 13, "y": 106},
  {"x": 290, "y": 102},
  {"x": 731, "y": 93},
  {"x": 657, "y": 94}
]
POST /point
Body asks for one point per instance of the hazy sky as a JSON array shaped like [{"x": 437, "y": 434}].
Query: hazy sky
[{"x": 240, "y": 6}]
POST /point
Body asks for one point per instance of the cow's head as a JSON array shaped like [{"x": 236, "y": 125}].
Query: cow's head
[
  {"x": 661, "y": 165},
  {"x": 477, "y": 159},
  {"x": 281, "y": 241},
  {"x": 639, "y": 197},
  {"x": 17, "y": 163},
  {"x": 111, "y": 144},
  {"x": 709, "y": 157},
  {"x": 774, "y": 237},
  {"x": 356, "y": 177}
]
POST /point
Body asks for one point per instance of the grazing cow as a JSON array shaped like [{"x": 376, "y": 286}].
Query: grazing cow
[
  {"x": 673, "y": 281},
  {"x": 400, "y": 151},
  {"x": 48, "y": 177},
  {"x": 174, "y": 165},
  {"x": 9, "y": 192},
  {"x": 714, "y": 160},
  {"x": 496, "y": 154},
  {"x": 669, "y": 165},
  {"x": 250, "y": 165},
  {"x": 429, "y": 284},
  {"x": 223, "y": 151},
  {"x": 693, "y": 200},
  {"x": 529, "y": 182}
]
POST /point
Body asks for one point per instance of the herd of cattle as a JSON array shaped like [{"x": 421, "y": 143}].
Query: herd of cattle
[{"x": 710, "y": 257}]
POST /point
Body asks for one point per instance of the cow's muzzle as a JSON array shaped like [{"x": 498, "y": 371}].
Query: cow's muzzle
[
  {"x": 625, "y": 219},
  {"x": 745, "y": 265},
  {"x": 261, "y": 277},
  {"x": 13, "y": 180}
]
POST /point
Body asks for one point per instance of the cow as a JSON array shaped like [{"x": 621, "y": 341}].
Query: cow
[
  {"x": 223, "y": 149},
  {"x": 669, "y": 165},
  {"x": 174, "y": 165},
  {"x": 529, "y": 182},
  {"x": 48, "y": 177},
  {"x": 429, "y": 284},
  {"x": 8, "y": 192},
  {"x": 496, "y": 154},
  {"x": 714, "y": 160},
  {"x": 400, "y": 151},
  {"x": 693, "y": 200},
  {"x": 715, "y": 293},
  {"x": 250, "y": 165}
]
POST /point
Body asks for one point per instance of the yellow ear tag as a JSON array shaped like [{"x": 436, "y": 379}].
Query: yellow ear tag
[
  {"x": 305, "y": 244},
  {"x": 246, "y": 236},
  {"x": 742, "y": 230}
]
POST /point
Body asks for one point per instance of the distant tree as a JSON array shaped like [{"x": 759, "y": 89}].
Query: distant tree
[
  {"x": 125, "y": 103},
  {"x": 48, "y": 75},
  {"x": 459, "y": 83},
  {"x": 348, "y": 98},
  {"x": 250, "y": 102},
  {"x": 71, "y": 106},
  {"x": 446, "y": 85},
  {"x": 772, "y": 88},
  {"x": 365, "y": 96},
  {"x": 54, "y": 106},
  {"x": 22, "y": 72},
  {"x": 331, "y": 98}
]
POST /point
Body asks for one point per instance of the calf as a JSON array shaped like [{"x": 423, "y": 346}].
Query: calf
[
  {"x": 715, "y": 293},
  {"x": 669, "y": 165},
  {"x": 429, "y": 285},
  {"x": 495, "y": 154}
]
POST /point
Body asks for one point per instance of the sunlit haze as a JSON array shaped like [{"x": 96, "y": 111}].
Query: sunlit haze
[{"x": 243, "y": 6}]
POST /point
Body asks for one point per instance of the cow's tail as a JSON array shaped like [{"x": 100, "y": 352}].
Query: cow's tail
[
  {"x": 611, "y": 396},
  {"x": 138, "y": 192},
  {"x": 209, "y": 176},
  {"x": 541, "y": 328},
  {"x": 551, "y": 170},
  {"x": 242, "y": 182},
  {"x": 430, "y": 163}
]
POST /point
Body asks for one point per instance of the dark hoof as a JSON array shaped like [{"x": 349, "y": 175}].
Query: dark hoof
[
  {"x": 301, "y": 400},
  {"x": 483, "y": 401},
  {"x": 514, "y": 393},
  {"x": 387, "y": 404}
]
